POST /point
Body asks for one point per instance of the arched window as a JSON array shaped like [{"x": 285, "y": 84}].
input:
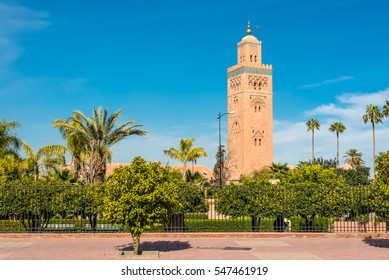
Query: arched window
[
  {"x": 255, "y": 58},
  {"x": 255, "y": 141},
  {"x": 259, "y": 142},
  {"x": 255, "y": 85},
  {"x": 251, "y": 58}
]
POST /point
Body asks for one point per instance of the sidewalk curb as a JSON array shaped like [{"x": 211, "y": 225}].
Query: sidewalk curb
[{"x": 197, "y": 235}]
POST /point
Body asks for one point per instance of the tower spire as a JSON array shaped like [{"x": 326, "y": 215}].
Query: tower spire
[{"x": 248, "y": 28}]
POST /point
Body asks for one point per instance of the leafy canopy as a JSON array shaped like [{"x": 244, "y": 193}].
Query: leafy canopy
[{"x": 141, "y": 195}]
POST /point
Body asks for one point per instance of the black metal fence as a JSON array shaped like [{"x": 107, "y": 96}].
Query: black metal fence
[{"x": 75, "y": 209}]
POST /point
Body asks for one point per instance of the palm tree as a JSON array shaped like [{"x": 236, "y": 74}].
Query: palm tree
[
  {"x": 313, "y": 124},
  {"x": 90, "y": 139},
  {"x": 373, "y": 115},
  {"x": 385, "y": 111},
  {"x": 9, "y": 143},
  {"x": 354, "y": 158},
  {"x": 337, "y": 127},
  {"x": 279, "y": 169},
  {"x": 47, "y": 157},
  {"x": 186, "y": 153}
]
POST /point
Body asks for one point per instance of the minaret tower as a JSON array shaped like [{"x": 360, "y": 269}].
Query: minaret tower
[{"x": 250, "y": 96}]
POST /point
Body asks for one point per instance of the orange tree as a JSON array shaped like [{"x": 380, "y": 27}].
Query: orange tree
[
  {"x": 140, "y": 196},
  {"x": 317, "y": 191},
  {"x": 32, "y": 203},
  {"x": 251, "y": 199},
  {"x": 380, "y": 188}
]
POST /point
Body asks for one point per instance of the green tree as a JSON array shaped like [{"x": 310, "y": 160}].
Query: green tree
[
  {"x": 62, "y": 175},
  {"x": 326, "y": 163},
  {"x": 32, "y": 203},
  {"x": 90, "y": 202},
  {"x": 186, "y": 152},
  {"x": 313, "y": 124},
  {"x": 279, "y": 170},
  {"x": 252, "y": 199},
  {"x": 337, "y": 127},
  {"x": 379, "y": 200},
  {"x": 191, "y": 199},
  {"x": 373, "y": 115},
  {"x": 315, "y": 173},
  {"x": 358, "y": 176},
  {"x": 385, "y": 111},
  {"x": 46, "y": 158},
  {"x": 12, "y": 168},
  {"x": 354, "y": 158},
  {"x": 90, "y": 140},
  {"x": 382, "y": 167},
  {"x": 9, "y": 142},
  {"x": 221, "y": 161},
  {"x": 317, "y": 191},
  {"x": 140, "y": 196}
]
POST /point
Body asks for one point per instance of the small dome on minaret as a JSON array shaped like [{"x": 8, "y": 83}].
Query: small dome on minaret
[{"x": 249, "y": 38}]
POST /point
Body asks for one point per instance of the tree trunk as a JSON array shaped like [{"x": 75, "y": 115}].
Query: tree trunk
[
  {"x": 309, "y": 222},
  {"x": 373, "y": 151},
  {"x": 255, "y": 223},
  {"x": 313, "y": 146},
  {"x": 93, "y": 221},
  {"x": 279, "y": 224},
  {"x": 337, "y": 150},
  {"x": 135, "y": 243}
]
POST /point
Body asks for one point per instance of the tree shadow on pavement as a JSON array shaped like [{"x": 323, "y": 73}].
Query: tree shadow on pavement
[
  {"x": 161, "y": 246},
  {"x": 381, "y": 243}
]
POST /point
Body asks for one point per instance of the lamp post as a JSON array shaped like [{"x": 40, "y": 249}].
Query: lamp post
[{"x": 219, "y": 116}]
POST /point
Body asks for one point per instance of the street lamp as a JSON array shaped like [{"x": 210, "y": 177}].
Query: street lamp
[{"x": 219, "y": 116}]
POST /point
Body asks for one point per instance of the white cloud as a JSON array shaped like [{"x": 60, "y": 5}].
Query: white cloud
[
  {"x": 326, "y": 82},
  {"x": 292, "y": 142},
  {"x": 15, "y": 20}
]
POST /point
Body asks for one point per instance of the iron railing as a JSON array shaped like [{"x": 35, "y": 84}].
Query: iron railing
[{"x": 58, "y": 209}]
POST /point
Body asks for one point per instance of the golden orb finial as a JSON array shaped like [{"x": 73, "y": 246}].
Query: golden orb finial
[{"x": 248, "y": 28}]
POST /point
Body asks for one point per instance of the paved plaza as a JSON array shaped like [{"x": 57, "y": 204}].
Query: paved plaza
[{"x": 195, "y": 247}]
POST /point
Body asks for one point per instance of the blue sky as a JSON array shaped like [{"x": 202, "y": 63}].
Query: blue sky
[{"x": 165, "y": 63}]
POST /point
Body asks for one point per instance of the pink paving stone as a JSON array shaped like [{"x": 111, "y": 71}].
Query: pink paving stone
[{"x": 197, "y": 246}]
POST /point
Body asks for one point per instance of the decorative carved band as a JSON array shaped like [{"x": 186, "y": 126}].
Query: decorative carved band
[
  {"x": 250, "y": 70},
  {"x": 235, "y": 83}
]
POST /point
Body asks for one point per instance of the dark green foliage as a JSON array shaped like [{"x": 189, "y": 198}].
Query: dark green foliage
[
  {"x": 221, "y": 161},
  {"x": 354, "y": 177},
  {"x": 88, "y": 201},
  {"x": 9, "y": 142},
  {"x": 63, "y": 175},
  {"x": 250, "y": 199},
  {"x": 319, "y": 224},
  {"x": 326, "y": 163},
  {"x": 191, "y": 200},
  {"x": 33, "y": 204}
]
